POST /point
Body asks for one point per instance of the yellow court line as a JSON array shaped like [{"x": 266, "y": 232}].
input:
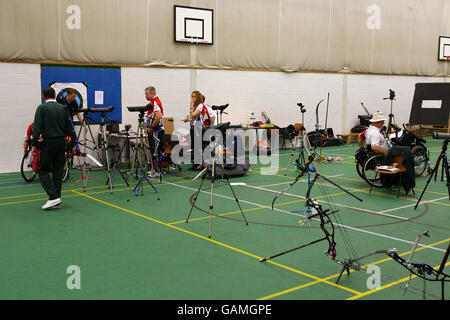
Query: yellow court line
[
  {"x": 386, "y": 286},
  {"x": 389, "y": 195},
  {"x": 23, "y": 196},
  {"x": 69, "y": 190},
  {"x": 441, "y": 203},
  {"x": 353, "y": 179},
  {"x": 237, "y": 211},
  {"x": 219, "y": 215},
  {"x": 182, "y": 180},
  {"x": 43, "y": 193},
  {"x": 277, "y": 294},
  {"x": 32, "y": 200},
  {"x": 95, "y": 192},
  {"x": 219, "y": 243},
  {"x": 261, "y": 207}
]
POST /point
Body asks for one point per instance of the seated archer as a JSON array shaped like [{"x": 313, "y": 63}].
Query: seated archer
[{"x": 373, "y": 137}]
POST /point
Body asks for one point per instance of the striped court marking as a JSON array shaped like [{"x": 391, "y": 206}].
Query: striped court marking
[
  {"x": 336, "y": 204},
  {"x": 88, "y": 188},
  {"x": 219, "y": 243},
  {"x": 382, "y": 213},
  {"x": 10, "y": 181},
  {"x": 258, "y": 208},
  {"x": 19, "y": 186},
  {"x": 387, "y": 286},
  {"x": 355, "y": 190},
  {"x": 95, "y": 192},
  {"x": 284, "y": 211},
  {"x": 412, "y": 205},
  {"x": 277, "y": 294},
  {"x": 303, "y": 180}
]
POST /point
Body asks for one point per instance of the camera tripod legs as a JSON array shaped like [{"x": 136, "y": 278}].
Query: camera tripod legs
[
  {"x": 211, "y": 204},
  {"x": 139, "y": 188},
  {"x": 292, "y": 154},
  {"x": 445, "y": 169},
  {"x": 115, "y": 167}
]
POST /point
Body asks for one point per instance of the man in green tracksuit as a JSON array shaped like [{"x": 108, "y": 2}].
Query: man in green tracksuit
[{"x": 52, "y": 123}]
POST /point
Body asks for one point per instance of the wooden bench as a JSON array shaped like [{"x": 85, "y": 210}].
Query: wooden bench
[{"x": 349, "y": 137}]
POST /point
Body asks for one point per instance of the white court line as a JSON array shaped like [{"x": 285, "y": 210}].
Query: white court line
[
  {"x": 336, "y": 204},
  {"x": 302, "y": 180},
  {"x": 411, "y": 205},
  {"x": 284, "y": 211}
]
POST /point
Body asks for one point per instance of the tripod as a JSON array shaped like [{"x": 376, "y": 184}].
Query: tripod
[
  {"x": 85, "y": 123},
  {"x": 139, "y": 188},
  {"x": 442, "y": 157},
  {"x": 391, "y": 125},
  {"x": 301, "y": 134},
  {"x": 157, "y": 155},
  {"x": 213, "y": 179},
  {"x": 141, "y": 147},
  {"x": 103, "y": 140},
  {"x": 140, "y": 152},
  {"x": 126, "y": 146},
  {"x": 115, "y": 167}
]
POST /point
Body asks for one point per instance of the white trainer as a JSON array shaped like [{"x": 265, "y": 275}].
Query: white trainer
[{"x": 51, "y": 203}]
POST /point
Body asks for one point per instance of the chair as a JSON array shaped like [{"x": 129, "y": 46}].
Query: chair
[{"x": 401, "y": 170}]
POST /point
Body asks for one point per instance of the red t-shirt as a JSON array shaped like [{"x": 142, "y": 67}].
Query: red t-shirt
[
  {"x": 30, "y": 131},
  {"x": 363, "y": 135},
  {"x": 157, "y": 106}
]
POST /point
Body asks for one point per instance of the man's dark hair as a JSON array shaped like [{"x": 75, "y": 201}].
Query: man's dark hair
[
  {"x": 71, "y": 91},
  {"x": 48, "y": 93}
]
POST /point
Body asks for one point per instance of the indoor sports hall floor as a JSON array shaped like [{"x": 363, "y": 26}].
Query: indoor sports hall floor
[{"x": 144, "y": 249}]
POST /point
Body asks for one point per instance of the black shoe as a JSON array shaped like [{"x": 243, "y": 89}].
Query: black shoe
[{"x": 194, "y": 167}]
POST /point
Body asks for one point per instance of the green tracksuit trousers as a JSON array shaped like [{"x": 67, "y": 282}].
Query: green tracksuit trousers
[{"x": 51, "y": 166}]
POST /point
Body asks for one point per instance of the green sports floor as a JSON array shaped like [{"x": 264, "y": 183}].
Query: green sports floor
[{"x": 144, "y": 249}]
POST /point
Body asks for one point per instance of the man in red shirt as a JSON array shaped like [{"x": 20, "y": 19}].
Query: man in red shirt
[{"x": 155, "y": 118}]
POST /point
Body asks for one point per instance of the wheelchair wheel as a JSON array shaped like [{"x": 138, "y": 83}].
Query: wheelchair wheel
[
  {"x": 420, "y": 157},
  {"x": 370, "y": 175},
  {"x": 26, "y": 167}
]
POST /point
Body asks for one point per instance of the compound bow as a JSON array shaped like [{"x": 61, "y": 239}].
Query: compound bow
[{"x": 325, "y": 220}]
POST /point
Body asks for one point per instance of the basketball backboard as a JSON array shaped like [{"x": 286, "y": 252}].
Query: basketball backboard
[
  {"x": 193, "y": 25},
  {"x": 444, "y": 48}
]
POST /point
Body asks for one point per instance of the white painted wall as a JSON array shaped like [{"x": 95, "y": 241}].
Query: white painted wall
[
  {"x": 20, "y": 92},
  {"x": 371, "y": 89},
  {"x": 172, "y": 87},
  {"x": 277, "y": 93}
]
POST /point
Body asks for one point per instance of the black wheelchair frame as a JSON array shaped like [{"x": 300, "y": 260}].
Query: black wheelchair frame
[{"x": 367, "y": 161}]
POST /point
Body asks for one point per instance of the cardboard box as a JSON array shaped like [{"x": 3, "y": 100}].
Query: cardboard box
[{"x": 168, "y": 125}]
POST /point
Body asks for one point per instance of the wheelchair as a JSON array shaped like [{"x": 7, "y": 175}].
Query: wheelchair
[
  {"x": 366, "y": 163},
  {"x": 29, "y": 165},
  {"x": 367, "y": 160},
  {"x": 416, "y": 144}
]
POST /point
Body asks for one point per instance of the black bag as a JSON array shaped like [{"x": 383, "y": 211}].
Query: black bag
[{"x": 361, "y": 156}]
